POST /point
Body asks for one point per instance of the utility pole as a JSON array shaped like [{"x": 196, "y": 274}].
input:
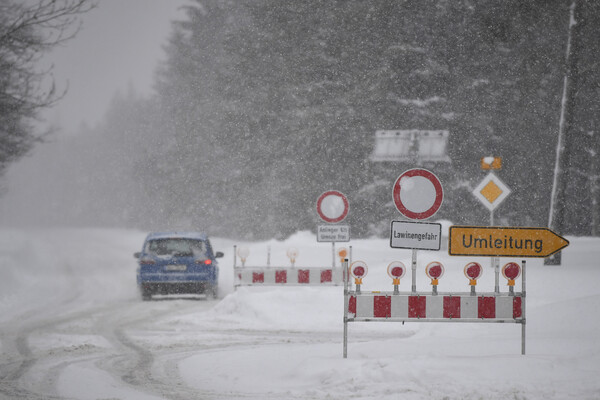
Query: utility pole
[
  {"x": 594, "y": 187},
  {"x": 565, "y": 127}
]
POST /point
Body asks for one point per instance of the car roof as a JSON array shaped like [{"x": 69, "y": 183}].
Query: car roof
[{"x": 177, "y": 235}]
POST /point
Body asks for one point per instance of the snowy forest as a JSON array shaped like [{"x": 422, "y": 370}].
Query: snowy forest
[{"x": 260, "y": 106}]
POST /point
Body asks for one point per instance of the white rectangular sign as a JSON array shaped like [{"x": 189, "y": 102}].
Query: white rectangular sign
[
  {"x": 416, "y": 235},
  {"x": 333, "y": 233}
]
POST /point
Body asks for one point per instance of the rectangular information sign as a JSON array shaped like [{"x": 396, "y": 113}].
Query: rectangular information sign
[
  {"x": 416, "y": 235},
  {"x": 504, "y": 241},
  {"x": 333, "y": 233}
]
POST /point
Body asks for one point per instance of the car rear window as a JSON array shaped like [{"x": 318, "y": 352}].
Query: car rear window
[{"x": 177, "y": 247}]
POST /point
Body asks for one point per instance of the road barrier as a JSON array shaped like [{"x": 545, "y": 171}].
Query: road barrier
[
  {"x": 413, "y": 306},
  {"x": 284, "y": 275},
  {"x": 265, "y": 276},
  {"x": 434, "y": 308}
]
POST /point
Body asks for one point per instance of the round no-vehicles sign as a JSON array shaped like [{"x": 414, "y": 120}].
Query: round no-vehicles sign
[
  {"x": 418, "y": 194},
  {"x": 332, "y": 206}
]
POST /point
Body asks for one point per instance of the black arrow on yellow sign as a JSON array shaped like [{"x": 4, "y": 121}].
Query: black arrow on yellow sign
[{"x": 494, "y": 241}]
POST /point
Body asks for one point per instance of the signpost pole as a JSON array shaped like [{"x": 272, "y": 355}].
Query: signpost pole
[
  {"x": 494, "y": 260},
  {"x": 333, "y": 255},
  {"x": 346, "y": 303},
  {"x": 350, "y": 255},
  {"x": 523, "y": 303},
  {"x": 496, "y": 266},
  {"x": 414, "y": 270},
  {"x": 234, "y": 265}
]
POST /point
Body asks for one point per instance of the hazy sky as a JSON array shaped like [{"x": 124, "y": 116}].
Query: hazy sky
[{"x": 120, "y": 43}]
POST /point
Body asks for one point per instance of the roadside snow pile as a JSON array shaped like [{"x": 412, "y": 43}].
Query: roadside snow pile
[{"x": 276, "y": 309}]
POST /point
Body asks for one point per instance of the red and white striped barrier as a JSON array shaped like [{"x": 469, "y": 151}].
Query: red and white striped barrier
[
  {"x": 434, "y": 308},
  {"x": 285, "y": 276},
  {"x": 299, "y": 276}
]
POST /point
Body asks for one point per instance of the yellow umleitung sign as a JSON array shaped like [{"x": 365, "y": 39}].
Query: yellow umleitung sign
[{"x": 494, "y": 241}]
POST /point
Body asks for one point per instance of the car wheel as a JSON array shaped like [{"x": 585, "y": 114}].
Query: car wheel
[
  {"x": 214, "y": 292},
  {"x": 146, "y": 294}
]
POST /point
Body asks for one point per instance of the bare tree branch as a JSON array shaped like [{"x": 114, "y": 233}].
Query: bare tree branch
[{"x": 27, "y": 32}]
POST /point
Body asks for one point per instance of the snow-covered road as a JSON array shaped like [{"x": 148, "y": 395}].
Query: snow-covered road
[
  {"x": 72, "y": 326},
  {"x": 68, "y": 313}
]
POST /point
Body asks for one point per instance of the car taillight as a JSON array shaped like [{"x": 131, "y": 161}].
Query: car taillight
[
  {"x": 146, "y": 261},
  {"x": 206, "y": 262}
]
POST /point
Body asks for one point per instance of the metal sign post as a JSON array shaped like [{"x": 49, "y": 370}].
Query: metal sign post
[
  {"x": 346, "y": 304},
  {"x": 346, "y": 277},
  {"x": 332, "y": 253},
  {"x": 523, "y": 305},
  {"x": 414, "y": 271}
]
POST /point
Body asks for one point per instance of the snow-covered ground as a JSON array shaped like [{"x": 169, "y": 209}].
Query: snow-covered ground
[{"x": 73, "y": 326}]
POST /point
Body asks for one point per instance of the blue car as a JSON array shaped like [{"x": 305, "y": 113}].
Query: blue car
[{"x": 177, "y": 263}]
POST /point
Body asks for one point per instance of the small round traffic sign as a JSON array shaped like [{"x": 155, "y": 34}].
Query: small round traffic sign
[
  {"x": 243, "y": 252},
  {"x": 418, "y": 194},
  {"x": 473, "y": 270},
  {"x": 511, "y": 271},
  {"x": 359, "y": 269},
  {"x": 434, "y": 270},
  {"x": 396, "y": 270},
  {"x": 292, "y": 253},
  {"x": 332, "y": 206}
]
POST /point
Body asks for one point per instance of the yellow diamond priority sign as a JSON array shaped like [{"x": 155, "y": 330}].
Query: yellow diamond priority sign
[{"x": 491, "y": 191}]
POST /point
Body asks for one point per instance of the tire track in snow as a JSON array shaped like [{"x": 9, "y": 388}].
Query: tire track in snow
[
  {"x": 135, "y": 362},
  {"x": 15, "y": 345}
]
